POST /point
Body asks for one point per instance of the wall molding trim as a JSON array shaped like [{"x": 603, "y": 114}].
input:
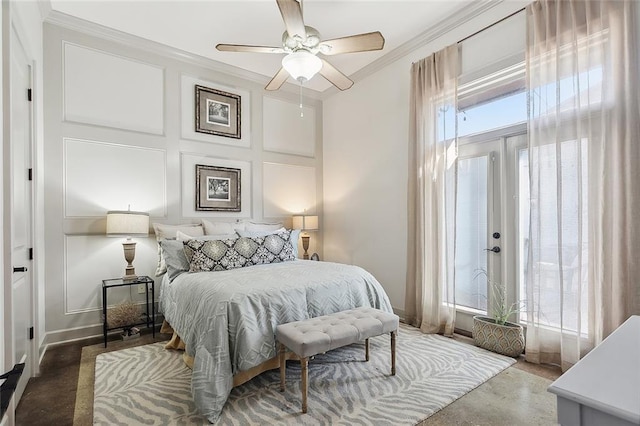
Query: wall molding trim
[
  {"x": 459, "y": 17},
  {"x": 92, "y": 29}
]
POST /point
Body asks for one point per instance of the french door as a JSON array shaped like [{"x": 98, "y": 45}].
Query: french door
[{"x": 488, "y": 242}]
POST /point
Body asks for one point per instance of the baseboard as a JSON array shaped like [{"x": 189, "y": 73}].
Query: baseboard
[{"x": 59, "y": 337}]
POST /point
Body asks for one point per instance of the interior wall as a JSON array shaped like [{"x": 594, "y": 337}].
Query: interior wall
[
  {"x": 120, "y": 126},
  {"x": 366, "y": 132}
]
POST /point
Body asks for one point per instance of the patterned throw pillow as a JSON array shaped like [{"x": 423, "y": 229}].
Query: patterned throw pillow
[{"x": 238, "y": 252}]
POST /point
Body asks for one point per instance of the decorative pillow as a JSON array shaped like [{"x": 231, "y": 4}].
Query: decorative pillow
[
  {"x": 235, "y": 253},
  {"x": 175, "y": 260},
  {"x": 295, "y": 235},
  {"x": 221, "y": 228},
  {"x": 181, "y": 236},
  {"x": 169, "y": 232}
]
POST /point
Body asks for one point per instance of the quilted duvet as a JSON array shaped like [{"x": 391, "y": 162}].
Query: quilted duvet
[{"x": 228, "y": 318}]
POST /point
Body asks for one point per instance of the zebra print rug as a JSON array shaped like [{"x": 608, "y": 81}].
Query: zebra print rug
[{"x": 151, "y": 385}]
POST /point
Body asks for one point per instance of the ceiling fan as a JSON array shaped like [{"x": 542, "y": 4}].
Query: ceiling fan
[{"x": 302, "y": 45}]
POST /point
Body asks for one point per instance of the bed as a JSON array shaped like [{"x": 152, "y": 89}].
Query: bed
[{"x": 227, "y": 319}]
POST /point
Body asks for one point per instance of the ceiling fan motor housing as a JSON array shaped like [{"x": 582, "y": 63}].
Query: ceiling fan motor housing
[{"x": 294, "y": 43}]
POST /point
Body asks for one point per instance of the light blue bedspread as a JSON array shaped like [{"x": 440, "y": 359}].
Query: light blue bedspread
[{"x": 227, "y": 319}]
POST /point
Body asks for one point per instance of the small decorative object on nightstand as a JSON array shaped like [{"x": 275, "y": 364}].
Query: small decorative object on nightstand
[
  {"x": 148, "y": 319},
  {"x": 315, "y": 256},
  {"x": 306, "y": 223}
]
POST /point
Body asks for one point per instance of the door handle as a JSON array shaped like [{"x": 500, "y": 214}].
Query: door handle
[
  {"x": 494, "y": 249},
  {"x": 20, "y": 269}
]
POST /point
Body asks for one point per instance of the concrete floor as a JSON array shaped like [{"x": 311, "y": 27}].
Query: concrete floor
[{"x": 517, "y": 396}]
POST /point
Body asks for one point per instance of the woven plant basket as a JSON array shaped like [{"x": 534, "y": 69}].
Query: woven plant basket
[{"x": 505, "y": 339}]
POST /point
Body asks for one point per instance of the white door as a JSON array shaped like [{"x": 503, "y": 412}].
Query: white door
[
  {"x": 21, "y": 220},
  {"x": 479, "y": 235}
]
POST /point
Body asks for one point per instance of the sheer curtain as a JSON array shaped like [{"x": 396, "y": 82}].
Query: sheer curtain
[
  {"x": 430, "y": 299},
  {"x": 583, "y": 273}
]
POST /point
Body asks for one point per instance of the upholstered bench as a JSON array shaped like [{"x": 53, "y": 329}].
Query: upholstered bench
[{"x": 321, "y": 334}]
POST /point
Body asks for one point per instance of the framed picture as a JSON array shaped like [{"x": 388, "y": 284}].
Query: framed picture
[
  {"x": 217, "y": 112},
  {"x": 217, "y": 189}
]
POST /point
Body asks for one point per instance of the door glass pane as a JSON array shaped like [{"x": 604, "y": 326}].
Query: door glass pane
[
  {"x": 560, "y": 261},
  {"x": 471, "y": 233},
  {"x": 523, "y": 225}
]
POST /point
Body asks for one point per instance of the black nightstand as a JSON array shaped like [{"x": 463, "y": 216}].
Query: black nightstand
[{"x": 120, "y": 282}]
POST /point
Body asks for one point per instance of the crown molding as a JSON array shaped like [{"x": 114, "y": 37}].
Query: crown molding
[
  {"x": 45, "y": 8},
  {"x": 459, "y": 17},
  {"x": 93, "y": 29}
]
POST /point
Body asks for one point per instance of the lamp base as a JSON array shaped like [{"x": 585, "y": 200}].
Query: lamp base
[
  {"x": 129, "y": 254},
  {"x": 305, "y": 246}
]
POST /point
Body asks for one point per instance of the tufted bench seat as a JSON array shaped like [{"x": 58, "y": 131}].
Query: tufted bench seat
[{"x": 321, "y": 334}]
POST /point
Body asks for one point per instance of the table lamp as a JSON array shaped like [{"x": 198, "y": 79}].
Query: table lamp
[
  {"x": 305, "y": 223},
  {"x": 128, "y": 224}
]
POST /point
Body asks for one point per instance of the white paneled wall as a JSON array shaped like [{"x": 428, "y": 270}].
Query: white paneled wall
[
  {"x": 120, "y": 132},
  {"x": 90, "y": 256},
  {"x": 102, "y": 176},
  {"x": 285, "y": 130},
  {"x": 288, "y": 189},
  {"x": 95, "y": 91}
]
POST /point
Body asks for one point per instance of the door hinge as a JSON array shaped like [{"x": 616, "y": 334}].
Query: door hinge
[
  {"x": 30, "y": 253},
  {"x": 30, "y": 333},
  {"x": 29, "y": 95},
  {"x": 30, "y": 174}
]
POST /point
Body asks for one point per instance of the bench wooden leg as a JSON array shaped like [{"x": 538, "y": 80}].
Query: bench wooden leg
[
  {"x": 304, "y": 363},
  {"x": 393, "y": 353},
  {"x": 283, "y": 366},
  {"x": 366, "y": 350}
]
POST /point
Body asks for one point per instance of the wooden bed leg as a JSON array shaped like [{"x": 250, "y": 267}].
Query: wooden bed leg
[
  {"x": 393, "y": 353},
  {"x": 366, "y": 350},
  {"x": 304, "y": 363},
  {"x": 283, "y": 366}
]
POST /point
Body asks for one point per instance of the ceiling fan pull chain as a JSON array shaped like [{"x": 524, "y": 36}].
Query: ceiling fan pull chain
[{"x": 301, "y": 110}]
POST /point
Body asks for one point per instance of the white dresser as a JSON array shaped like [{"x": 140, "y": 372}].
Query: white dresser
[{"x": 603, "y": 388}]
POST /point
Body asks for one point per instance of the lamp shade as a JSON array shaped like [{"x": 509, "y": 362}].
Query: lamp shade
[
  {"x": 306, "y": 223},
  {"x": 302, "y": 65},
  {"x": 127, "y": 223}
]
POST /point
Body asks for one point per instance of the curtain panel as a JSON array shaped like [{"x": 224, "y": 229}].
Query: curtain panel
[
  {"x": 583, "y": 273},
  {"x": 430, "y": 296}
]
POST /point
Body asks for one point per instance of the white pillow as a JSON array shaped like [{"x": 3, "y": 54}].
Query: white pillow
[
  {"x": 261, "y": 227},
  {"x": 250, "y": 234},
  {"x": 181, "y": 236},
  {"x": 169, "y": 232},
  {"x": 221, "y": 228}
]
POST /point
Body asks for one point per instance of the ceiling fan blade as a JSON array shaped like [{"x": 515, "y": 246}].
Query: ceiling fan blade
[
  {"x": 334, "y": 76},
  {"x": 278, "y": 80},
  {"x": 355, "y": 43},
  {"x": 247, "y": 48},
  {"x": 292, "y": 17}
]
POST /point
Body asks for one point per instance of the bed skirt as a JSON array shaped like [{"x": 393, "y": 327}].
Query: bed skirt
[{"x": 176, "y": 343}]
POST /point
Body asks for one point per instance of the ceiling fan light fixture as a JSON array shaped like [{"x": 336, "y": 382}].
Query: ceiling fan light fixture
[{"x": 302, "y": 65}]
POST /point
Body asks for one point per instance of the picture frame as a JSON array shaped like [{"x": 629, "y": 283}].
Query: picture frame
[
  {"x": 217, "y": 189},
  {"x": 218, "y": 112}
]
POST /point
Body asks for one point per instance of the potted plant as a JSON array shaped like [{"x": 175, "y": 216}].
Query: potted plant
[{"x": 494, "y": 332}]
